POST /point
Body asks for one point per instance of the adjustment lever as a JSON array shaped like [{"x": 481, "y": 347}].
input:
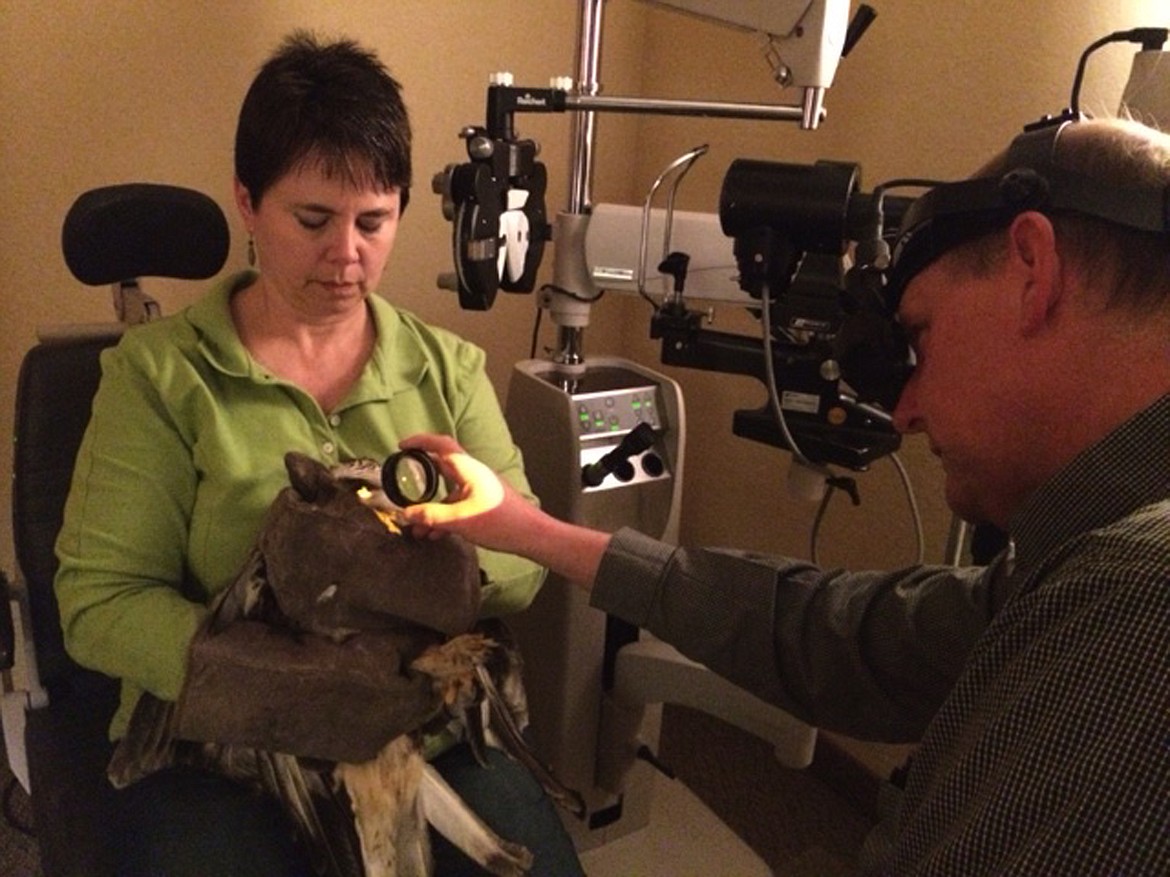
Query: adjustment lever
[
  {"x": 638, "y": 439},
  {"x": 676, "y": 264}
]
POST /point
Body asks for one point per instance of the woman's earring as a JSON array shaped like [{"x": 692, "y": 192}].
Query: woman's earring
[{"x": 251, "y": 252}]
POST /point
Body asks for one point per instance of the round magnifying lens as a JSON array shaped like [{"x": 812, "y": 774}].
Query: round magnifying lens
[{"x": 410, "y": 477}]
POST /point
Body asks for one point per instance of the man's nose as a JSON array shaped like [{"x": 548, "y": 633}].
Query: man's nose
[{"x": 906, "y": 415}]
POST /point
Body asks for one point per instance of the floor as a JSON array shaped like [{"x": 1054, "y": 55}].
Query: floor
[
  {"x": 683, "y": 839},
  {"x": 802, "y": 823},
  {"x": 18, "y": 846},
  {"x": 808, "y": 823}
]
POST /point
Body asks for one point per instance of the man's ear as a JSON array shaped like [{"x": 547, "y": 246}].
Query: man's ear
[{"x": 1033, "y": 258}]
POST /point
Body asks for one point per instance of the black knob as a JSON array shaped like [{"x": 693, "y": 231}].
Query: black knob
[{"x": 635, "y": 441}]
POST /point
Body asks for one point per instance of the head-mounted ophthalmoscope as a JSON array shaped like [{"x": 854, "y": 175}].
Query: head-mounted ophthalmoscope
[{"x": 1032, "y": 179}]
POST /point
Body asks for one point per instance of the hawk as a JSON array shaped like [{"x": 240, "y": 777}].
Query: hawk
[{"x": 318, "y": 672}]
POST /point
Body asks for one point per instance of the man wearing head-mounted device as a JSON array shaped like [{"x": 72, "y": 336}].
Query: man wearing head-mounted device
[
  {"x": 1058, "y": 361},
  {"x": 1037, "y": 300}
]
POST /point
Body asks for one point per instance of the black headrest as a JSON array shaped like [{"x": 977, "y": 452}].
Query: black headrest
[{"x": 133, "y": 230}]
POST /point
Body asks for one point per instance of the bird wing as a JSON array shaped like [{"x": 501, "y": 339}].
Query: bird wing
[
  {"x": 512, "y": 741},
  {"x": 148, "y": 745},
  {"x": 319, "y": 811},
  {"x": 452, "y": 818}
]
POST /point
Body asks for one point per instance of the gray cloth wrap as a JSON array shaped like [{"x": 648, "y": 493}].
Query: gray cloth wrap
[
  {"x": 308, "y": 652},
  {"x": 255, "y": 685},
  {"x": 372, "y": 575}
]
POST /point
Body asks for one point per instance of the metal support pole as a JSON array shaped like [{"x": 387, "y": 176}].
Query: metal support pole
[{"x": 570, "y": 347}]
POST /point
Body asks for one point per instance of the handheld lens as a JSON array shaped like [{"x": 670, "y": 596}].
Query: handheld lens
[{"x": 410, "y": 477}]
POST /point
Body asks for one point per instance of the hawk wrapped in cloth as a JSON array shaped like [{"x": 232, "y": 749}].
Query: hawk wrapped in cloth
[{"x": 318, "y": 672}]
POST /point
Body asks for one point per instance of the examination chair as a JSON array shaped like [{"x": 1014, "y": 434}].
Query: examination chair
[{"x": 56, "y": 713}]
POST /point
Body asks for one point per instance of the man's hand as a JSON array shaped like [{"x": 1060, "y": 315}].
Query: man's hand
[
  {"x": 488, "y": 512},
  {"x": 479, "y": 506}
]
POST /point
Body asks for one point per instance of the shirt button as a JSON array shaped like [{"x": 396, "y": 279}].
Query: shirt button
[
  {"x": 328, "y": 447},
  {"x": 335, "y": 420}
]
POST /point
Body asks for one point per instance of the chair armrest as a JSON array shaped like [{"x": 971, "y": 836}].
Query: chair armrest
[
  {"x": 18, "y": 655},
  {"x": 649, "y": 672},
  {"x": 17, "y": 696},
  {"x": 7, "y": 631}
]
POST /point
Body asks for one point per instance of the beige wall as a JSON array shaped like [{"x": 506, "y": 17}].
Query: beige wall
[{"x": 112, "y": 91}]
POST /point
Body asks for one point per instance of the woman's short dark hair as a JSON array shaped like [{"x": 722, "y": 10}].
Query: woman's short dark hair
[{"x": 333, "y": 103}]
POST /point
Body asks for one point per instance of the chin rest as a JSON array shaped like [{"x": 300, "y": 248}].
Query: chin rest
[{"x": 55, "y": 725}]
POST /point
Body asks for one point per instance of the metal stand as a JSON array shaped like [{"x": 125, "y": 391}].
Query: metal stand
[{"x": 596, "y": 685}]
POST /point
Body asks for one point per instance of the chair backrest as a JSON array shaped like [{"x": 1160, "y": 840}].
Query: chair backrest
[
  {"x": 56, "y": 385},
  {"x": 111, "y": 235},
  {"x": 65, "y": 743}
]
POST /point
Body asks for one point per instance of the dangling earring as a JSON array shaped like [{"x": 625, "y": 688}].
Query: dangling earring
[{"x": 251, "y": 252}]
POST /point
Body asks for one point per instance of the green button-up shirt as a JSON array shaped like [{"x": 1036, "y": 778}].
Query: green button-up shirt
[{"x": 185, "y": 452}]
